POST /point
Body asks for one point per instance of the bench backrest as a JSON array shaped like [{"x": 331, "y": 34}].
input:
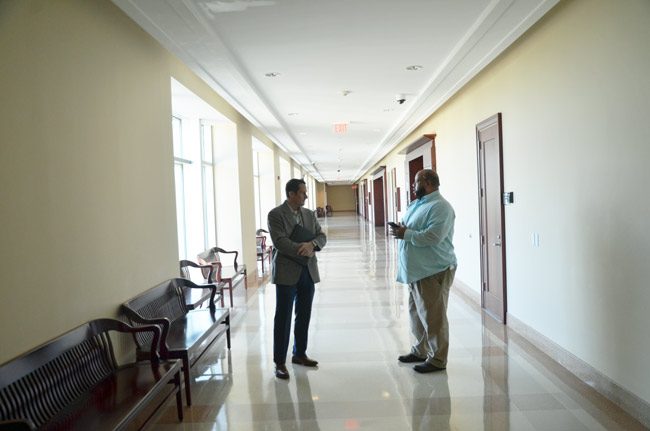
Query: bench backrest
[
  {"x": 40, "y": 383},
  {"x": 162, "y": 300}
]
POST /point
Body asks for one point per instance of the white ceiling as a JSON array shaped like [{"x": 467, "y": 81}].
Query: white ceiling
[{"x": 321, "y": 48}]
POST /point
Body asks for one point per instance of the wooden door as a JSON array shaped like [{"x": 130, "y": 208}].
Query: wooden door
[
  {"x": 378, "y": 192},
  {"x": 415, "y": 166},
  {"x": 492, "y": 223}
]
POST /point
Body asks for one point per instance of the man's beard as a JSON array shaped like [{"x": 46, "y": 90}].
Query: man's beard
[{"x": 420, "y": 192}]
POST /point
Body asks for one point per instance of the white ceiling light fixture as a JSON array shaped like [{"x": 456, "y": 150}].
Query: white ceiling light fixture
[
  {"x": 414, "y": 67},
  {"x": 345, "y": 92},
  {"x": 292, "y": 114},
  {"x": 272, "y": 74}
]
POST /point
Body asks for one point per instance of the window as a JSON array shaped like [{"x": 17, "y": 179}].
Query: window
[
  {"x": 263, "y": 183},
  {"x": 195, "y": 128},
  {"x": 194, "y": 186},
  {"x": 256, "y": 186},
  {"x": 179, "y": 183},
  {"x": 207, "y": 183}
]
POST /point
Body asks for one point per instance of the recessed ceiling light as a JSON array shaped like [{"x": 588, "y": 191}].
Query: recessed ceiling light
[
  {"x": 302, "y": 133},
  {"x": 346, "y": 92},
  {"x": 376, "y": 130},
  {"x": 292, "y": 114},
  {"x": 414, "y": 67},
  {"x": 272, "y": 74}
]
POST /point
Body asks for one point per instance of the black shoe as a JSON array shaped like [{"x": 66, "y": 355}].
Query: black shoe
[
  {"x": 410, "y": 358},
  {"x": 304, "y": 360},
  {"x": 281, "y": 371},
  {"x": 427, "y": 368}
]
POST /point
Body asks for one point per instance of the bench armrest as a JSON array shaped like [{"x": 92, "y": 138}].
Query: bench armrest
[
  {"x": 212, "y": 286},
  {"x": 185, "y": 263},
  {"x": 116, "y": 325},
  {"x": 236, "y": 253},
  {"x": 162, "y": 322}
]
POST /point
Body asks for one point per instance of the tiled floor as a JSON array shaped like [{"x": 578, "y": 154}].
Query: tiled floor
[{"x": 495, "y": 380}]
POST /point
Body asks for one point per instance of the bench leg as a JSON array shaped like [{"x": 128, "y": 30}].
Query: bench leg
[
  {"x": 179, "y": 397},
  {"x": 228, "y": 332},
  {"x": 186, "y": 374}
]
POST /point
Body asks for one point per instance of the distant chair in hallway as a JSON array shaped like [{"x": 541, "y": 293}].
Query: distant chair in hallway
[
  {"x": 328, "y": 210},
  {"x": 230, "y": 274},
  {"x": 320, "y": 212},
  {"x": 263, "y": 250}
]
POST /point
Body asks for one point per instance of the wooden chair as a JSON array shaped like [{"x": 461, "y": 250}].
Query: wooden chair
[
  {"x": 194, "y": 272},
  {"x": 228, "y": 274},
  {"x": 263, "y": 250}
]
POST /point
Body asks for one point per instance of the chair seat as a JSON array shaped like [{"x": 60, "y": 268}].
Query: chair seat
[
  {"x": 195, "y": 297},
  {"x": 191, "y": 329},
  {"x": 116, "y": 399},
  {"x": 229, "y": 272}
]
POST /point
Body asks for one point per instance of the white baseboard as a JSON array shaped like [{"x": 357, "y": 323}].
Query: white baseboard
[{"x": 626, "y": 400}]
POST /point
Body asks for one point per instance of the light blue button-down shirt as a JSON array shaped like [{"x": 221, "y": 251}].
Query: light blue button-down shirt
[{"x": 427, "y": 247}]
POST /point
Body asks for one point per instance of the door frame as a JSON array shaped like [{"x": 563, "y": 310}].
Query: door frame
[
  {"x": 380, "y": 173},
  {"x": 489, "y": 122}
]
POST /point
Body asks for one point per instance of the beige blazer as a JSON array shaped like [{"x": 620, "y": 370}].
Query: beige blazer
[{"x": 281, "y": 223}]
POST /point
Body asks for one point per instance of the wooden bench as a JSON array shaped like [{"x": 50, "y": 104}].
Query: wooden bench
[
  {"x": 74, "y": 382},
  {"x": 192, "y": 271},
  {"x": 226, "y": 274},
  {"x": 186, "y": 334}
]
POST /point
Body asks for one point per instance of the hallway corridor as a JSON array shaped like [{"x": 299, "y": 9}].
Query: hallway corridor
[{"x": 495, "y": 379}]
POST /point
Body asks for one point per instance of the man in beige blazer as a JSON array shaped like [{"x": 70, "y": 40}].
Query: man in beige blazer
[{"x": 296, "y": 237}]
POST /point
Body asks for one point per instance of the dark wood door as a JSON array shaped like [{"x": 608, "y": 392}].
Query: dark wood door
[
  {"x": 378, "y": 203},
  {"x": 493, "y": 262},
  {"x": 415, "y": 166}
]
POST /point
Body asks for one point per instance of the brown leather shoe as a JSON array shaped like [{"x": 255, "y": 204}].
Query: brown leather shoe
[
  {"x": 281, "y": 371},
  {"x": 304, "y": 360}
]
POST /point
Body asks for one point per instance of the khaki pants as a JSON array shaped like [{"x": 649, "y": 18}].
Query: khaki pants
[{"x": 428, "y": 315}]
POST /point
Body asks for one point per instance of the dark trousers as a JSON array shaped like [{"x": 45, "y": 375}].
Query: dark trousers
[{"x": 303, "y": 295}]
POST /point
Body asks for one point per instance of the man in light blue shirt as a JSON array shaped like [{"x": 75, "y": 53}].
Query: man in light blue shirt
[{"x": 427, "y": 263}]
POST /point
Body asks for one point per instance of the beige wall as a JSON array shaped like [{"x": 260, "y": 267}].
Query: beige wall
[
  {"x": 341, "y": 198},
  {"x": 87, "y": 196},
  {"x": 575, "y": 97},
  {"x": 321, "y": 194}
]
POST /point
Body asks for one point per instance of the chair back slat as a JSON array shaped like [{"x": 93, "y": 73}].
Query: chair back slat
[
  {"x": 56, "y": 376},
  {"x": 164, "y": 300}
]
